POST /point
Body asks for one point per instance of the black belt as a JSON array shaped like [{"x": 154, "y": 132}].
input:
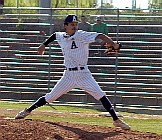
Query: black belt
[{"x": 75, "y": 68}]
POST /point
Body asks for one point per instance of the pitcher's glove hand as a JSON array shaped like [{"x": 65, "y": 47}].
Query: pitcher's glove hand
[{"x": 113, "y": 49}]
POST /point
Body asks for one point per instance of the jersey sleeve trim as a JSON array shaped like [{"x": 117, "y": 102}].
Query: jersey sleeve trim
[{"x": 50, "y": 39}]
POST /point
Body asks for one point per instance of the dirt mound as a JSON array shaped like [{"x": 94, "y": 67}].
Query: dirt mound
[{"x": 41, "y": 130}]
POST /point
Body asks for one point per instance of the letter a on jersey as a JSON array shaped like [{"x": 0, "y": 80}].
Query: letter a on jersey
[{"x": 73, "y": 45}]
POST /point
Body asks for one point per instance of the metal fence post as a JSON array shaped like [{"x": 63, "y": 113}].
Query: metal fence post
[
  {"x": 116, "y": 61},
  {"x": 49, "y": 62}
]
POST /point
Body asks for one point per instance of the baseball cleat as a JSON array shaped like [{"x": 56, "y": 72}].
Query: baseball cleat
[
  {"x": 121, "y": 124},
  {"x": 22, "y": 114}
]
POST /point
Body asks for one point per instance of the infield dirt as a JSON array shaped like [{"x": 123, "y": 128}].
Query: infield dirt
[{"x": 29, "y": 129}]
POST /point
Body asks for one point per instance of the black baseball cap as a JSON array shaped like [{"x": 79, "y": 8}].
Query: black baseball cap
[{"x": 71, "y": 18}]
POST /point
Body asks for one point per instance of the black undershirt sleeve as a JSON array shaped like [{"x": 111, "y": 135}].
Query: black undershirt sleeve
[{"x": 50, "y": 39}]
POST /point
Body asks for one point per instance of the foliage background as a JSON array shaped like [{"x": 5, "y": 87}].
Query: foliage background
[{"x": 155, "y": 4}]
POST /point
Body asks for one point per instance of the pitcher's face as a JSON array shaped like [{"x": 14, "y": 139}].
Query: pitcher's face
[{"x": 71, "y": 28}]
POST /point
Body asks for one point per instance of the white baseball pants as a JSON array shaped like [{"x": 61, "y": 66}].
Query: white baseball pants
[{"x": 82, "y": 79}]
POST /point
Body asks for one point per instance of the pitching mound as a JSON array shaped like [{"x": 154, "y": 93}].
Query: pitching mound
[{"x": 41, "y": 130}]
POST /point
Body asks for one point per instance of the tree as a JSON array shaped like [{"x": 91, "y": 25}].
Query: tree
[
  {"x": 73, "y": 4},
  {"x": 107, "y": 6},
  {"x": 155, "y": 4}
]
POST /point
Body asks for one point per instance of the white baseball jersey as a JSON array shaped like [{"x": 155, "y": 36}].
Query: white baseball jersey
[{"x": 75, "y": 49}]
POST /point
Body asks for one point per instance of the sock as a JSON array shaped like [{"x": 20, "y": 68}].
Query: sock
[
  {"x": 40, "y": 102},
  {"x": 107, "y": 105}
]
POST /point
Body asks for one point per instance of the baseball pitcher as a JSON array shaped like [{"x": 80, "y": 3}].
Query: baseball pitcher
[{"x": 74, "y": 44}]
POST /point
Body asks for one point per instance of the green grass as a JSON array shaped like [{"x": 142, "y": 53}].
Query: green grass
[
  {"x": 139, "y": 122},
  {"x": 17, "y": 105}
]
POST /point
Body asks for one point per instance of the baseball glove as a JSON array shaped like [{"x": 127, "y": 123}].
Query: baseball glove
[{"x": 111, "y": 49}]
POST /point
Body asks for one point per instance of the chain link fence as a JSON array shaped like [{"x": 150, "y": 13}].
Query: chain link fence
[{"x": 132, "y": 78}]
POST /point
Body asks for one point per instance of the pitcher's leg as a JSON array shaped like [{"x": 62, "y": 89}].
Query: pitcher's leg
[
  {"x": 107, "y": 105},
  {"x": 40, "y": 102},
  {"x": 91, "y": 86},
  {"x": 62, "y": 87}
]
